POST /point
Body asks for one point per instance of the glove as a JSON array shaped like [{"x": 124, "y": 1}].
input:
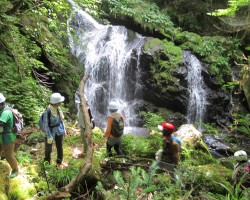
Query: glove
[{"x": 50, "y": 140}]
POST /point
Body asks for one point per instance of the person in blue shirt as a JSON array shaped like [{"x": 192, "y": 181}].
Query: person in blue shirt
[{"x": 54, "y": 128}]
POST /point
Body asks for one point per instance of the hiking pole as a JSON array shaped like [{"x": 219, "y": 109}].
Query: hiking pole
[{"x": 47, "y": 181}]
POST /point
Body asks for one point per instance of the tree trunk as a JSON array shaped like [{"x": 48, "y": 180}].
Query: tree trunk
[{"x": 66, "y": 190}]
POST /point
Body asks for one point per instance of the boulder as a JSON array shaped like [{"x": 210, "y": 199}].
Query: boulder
[{"x": 189, "y": 136}]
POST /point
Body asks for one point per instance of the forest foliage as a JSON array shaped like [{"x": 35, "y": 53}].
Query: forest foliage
[
  {"x": 35, "y": 55},
  {"x": 35, "y": 60}
]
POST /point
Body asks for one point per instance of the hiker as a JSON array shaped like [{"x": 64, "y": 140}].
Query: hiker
[
  {"x": 241, "y": 173},
  {"x": 54, "y": 128},
  {"x": 114, "y": 131},
  {"x": 171, "y": 148},
  {"x": 7, "y": 137},
  {"x": 81, "y": 120}
]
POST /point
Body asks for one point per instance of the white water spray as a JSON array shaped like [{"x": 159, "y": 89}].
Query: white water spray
[
  {"x": 107, "y": 54},
  {"x": 197, "y": 94}
]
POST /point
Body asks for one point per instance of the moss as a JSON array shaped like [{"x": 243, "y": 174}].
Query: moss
[
  {"x": 21, "y": 189},
  {"x": 187, "y": 39},
  {"x": 3, "y": 196},
  {"x": 166, "y": 58},
  {"x": 35, "y": 138},
  {"x": 164, "y": 51},
  {"x": 32, "y": 170},
  {"x": 215, "y": 51},
  {"x": 4, "y": 181},
  {"x": 141, "y": 147}
]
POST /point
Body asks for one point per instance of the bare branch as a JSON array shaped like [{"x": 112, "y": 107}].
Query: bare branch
[
  {"x": 42, "y": 78},
  {"x": 67, "y": 190}
]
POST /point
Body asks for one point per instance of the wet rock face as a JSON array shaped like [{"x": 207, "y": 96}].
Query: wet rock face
[
  {"x": 218, "y": 107},
  {"x": 174, "y": 95},
  {"x": 169, "y": 94},
  {"x": 217, "y": 147}
]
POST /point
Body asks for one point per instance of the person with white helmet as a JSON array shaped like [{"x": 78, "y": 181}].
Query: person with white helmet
[
  {"x": 241, "y": 173},
  {"x": 114, "y": 138},
  {"x": 54, "y": 128},
  {"x": 7, "y": 137}
]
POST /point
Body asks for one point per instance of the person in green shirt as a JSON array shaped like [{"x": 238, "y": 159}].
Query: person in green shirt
[{"x": 7, "y": 137}]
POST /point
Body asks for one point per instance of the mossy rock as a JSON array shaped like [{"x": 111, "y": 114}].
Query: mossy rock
[
  {"x": 187, "y": 39},
  {"x": 165, "y": 54},
  {"x": 4, "y": 181},
  {"x": 3, "y": 196},
  {"x": 21, "y": 189},
  {"x": 166, "y": 58}
]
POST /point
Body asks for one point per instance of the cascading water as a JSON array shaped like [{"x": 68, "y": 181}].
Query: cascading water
[
  {"x": 197, "y": 94},
  {"x": 107, "y": 54}
]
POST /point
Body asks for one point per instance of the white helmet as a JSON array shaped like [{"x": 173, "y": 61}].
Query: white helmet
[
  {"x": 2, "y": 98},
  {"x": 56, "y": 98},
  {"x": 113, "y": 106},
  {"x": 240, "y": 155}
]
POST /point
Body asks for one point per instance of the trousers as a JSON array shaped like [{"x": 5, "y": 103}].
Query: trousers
[
  {"x": 7, "y": 151},
  {"x": 59, "y": 149}
]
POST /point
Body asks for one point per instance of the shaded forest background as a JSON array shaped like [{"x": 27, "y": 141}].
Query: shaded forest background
[{"x": 36, "y": 61}]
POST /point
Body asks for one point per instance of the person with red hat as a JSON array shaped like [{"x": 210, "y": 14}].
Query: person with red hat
[{"x": 171, "y": 148}]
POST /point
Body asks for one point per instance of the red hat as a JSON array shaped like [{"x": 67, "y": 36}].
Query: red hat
[{"x": 166, "y": 126}]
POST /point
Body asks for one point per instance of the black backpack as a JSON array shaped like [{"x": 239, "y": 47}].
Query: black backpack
[{"x": 117, "y": 126}]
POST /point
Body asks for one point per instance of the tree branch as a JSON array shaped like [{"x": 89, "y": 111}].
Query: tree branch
[
  {"x": 66, "y": 190},
  {"x": 13, "y": 10}
]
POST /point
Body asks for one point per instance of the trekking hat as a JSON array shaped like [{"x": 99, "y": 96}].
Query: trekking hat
[
  {"x": 2, "y": 98},
  {"x": 56, "y": 98},
  {"x": 166, "y": 126},
  {"x": 240, "y": 155},
  {"x": 113, "y": 106}
]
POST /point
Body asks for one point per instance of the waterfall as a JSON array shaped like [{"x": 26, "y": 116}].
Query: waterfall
[
  {"x": 110, "y": 56},
  {"x": 197, "y": 94}
]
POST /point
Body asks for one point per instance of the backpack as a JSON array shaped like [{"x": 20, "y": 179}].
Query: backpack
[
  {"x": 117, "y": 126},
  {"x": 167, "y": 153},
  {"x": 18, "y": 123},
  {"x": 41, "y": 120}
]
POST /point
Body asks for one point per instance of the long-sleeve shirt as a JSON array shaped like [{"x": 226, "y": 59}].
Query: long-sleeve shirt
[{"x": 53, "y": 125}]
